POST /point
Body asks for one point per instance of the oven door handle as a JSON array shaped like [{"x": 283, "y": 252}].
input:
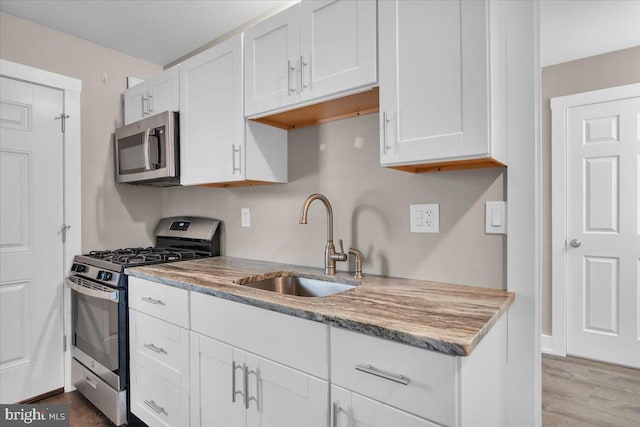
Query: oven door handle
[{"x": 96, "y": 293}]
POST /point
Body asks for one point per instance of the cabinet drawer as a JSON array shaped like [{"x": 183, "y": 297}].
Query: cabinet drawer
[
  {"x": 430, "y": 377},
  {"x": 161, "y": 347},
  {"x": 298, "y": 343},
  {"x": 162, "y": 301},
  {"x": 157, "y": 402}
]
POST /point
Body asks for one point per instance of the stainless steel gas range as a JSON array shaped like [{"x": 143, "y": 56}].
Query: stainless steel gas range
[{"x": 99, "y": 343}]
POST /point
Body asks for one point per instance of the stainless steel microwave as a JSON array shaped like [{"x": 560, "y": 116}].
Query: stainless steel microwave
[{"x": 147, "y": 151}]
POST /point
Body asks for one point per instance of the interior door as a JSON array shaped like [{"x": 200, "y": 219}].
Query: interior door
[
  {"x": 31, "y": 248},
  {"x": 337, "y": 46},
  {"x": 603, "y": 231}
]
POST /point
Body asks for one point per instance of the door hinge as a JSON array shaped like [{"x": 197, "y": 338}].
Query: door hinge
[
  {"x": 63, "y": 231},
  {"x": 63, "y": 119},
  {"x": 64, "y": 343}
]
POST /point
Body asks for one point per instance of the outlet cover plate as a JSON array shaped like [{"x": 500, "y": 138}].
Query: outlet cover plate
[
  {"x": 424, "y": 218},
  {"x": 495, "y": 218}
]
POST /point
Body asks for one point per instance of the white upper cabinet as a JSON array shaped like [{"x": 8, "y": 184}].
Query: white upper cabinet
[
  {"x": 153, "y": 96},
  {"x": 217, "y": 146},
  {"x": 314, "y": 50},
  {"x": 271, "y": 62},
  {"x": 442, "y": 86},
  {"x": 337, "y": 46},
  {"x": 211, "y": 118}
]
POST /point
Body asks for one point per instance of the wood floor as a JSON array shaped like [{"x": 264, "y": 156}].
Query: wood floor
[
  {"x": 575, "y": 393},
  {"x": 82, "y": 413},
  {"x": 578, "y": 392}
]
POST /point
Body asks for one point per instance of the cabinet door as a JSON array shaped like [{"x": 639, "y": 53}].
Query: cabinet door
[
  {"x": 337, "y": 46},
  {"x": 271, "y": 62},
  {"x": 283, "y": 397},
  {"x": 212, "y": 131},
  {"x": 433, "y": 80},
  {"x": 212, "y": 384},
  {"x": 353, "y": 410},
  {"x": 136, "y": 102},
  {"x": 164, "y": 91}
]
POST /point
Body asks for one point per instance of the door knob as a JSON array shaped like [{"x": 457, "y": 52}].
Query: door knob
[{"x": 575, "y": 243}]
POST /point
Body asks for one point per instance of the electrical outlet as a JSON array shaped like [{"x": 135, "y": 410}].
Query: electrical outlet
[
  {"x": 425, "y": 218},
  {"x": 245, "y": 217}
]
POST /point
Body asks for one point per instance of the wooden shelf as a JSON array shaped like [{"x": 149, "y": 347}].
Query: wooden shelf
[
  {"x": 450, "y": 166},
  {"x": 359, "y": 104}
]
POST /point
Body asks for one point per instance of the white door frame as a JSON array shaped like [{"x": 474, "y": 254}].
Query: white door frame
[
  {"x": 71, "y": 186},
  {"x": 559, "y": 108}
]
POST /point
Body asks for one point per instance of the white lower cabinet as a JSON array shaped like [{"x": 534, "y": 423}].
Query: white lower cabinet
[
  {"x": 233, "y": 388},
  {"x": 350, "y": 409}
]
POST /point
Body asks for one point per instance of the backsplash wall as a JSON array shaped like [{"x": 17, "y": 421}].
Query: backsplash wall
[{"x": 371, "y": 210}]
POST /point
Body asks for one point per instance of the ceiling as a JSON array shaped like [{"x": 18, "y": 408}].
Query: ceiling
[
  {"x": 157, "y": 31},
  {"x": 161, "y": 31},
  {"x": 574, "y": 29}
]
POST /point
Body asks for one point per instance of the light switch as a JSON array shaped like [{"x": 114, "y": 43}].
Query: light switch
[
  {"x": 245, "y": 217},
  {"x": 496, "y": 218}
]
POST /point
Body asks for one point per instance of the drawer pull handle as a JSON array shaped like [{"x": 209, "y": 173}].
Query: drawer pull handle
[
  {"x": 92, "y": 383},
  {"x": 152, "y": 301},
  {"x": 368, "y": 369},
  {"x": 158, "y": 409},
  {"x": 155, "y": 349}
]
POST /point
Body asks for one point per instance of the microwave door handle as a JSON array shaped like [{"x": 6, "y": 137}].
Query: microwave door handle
[{"x": 147, "y": 162}]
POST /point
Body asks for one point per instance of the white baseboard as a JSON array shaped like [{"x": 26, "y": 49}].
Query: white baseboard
[{"x": 546, "y": 344}]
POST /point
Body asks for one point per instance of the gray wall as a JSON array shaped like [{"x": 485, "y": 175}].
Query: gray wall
[
  {"x": 371, "y": 210},
  {"x": 112, "y": 216},
  {"x": 596, "y": 72}
]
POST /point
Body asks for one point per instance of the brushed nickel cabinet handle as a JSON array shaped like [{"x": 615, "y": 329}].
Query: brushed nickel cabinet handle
[
  {"x": 153, "y": 405},
  {"x": 385, "y": 120},
  {"x": 255, "y": 398},
  {"x": 234, "y": 392},
  {"x": 304, "y": 65},
  {"x": 368, "y": 369},
  {"x": 155, "y": 349},
  {"x": 335, "y": 410},
  {"x": 290, "y": 67},
  {"x": 152, "y": 301},
  {"x": 235, "y": 169},
  {"x": 149, "y": 103}
]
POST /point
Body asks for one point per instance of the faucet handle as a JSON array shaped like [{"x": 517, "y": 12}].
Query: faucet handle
[{"x": 341, "y": 247}]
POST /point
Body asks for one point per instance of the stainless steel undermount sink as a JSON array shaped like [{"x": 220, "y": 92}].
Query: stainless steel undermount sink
[{"x": 290, "y": 284}]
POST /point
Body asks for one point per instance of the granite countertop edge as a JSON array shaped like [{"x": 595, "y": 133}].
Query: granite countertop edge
[{"x": 433, "y": 344}]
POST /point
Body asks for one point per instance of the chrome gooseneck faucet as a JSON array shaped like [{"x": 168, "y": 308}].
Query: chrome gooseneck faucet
[{"x": 330, "y": 254}]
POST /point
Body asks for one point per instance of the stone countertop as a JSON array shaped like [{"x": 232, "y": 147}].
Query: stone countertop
[{"x": 448, "y": 318}]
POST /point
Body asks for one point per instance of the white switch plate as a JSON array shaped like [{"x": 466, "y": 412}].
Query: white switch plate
[
  {"x": 425, "y": 218},
  {"x": 245, "y": 216},
  {"x": 495, "y": 218}
]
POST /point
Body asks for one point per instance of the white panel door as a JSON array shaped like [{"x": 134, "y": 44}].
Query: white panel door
[
  {"x": 31, "y": 248},
  {"x": 217, "y": 384},
  {"x": 164, "y": 91},
  {"x": 433, "y": 80},
  {"x": 353, "y": 410},
  {"x": 136, "y": 102},
  {"x": 272, "y": 50},
  {"x": 283, "y": 397},
  {"x": 337, "y": 46},
  {"x": 212, "y": 130},
  {"x": 603, "y": 231}
]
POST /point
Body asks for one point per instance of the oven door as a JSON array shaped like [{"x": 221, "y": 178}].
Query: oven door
[{"x": 96, "y": 338}]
